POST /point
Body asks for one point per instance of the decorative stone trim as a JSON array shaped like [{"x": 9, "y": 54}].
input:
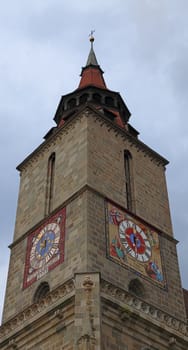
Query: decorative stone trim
[
  {"x": 172, "y": 341},
  {"x": 12, "y": 345},
  {"x": 139, "y": 145},
  {"x": 86, "y": 111},
  {"x": 133, "y": 305},
  {"x": 29, "y": 313},
  {"x": 87, "y": 340},
  {"x": 47, "y": 144},
  {"x": 88, "y": 284},
  {"x": 59, "y": 314},
  {"x": 72, "y": 198}
]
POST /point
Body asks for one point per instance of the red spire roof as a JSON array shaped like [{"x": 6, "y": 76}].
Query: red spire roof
[{"x": 92, "y": 74}]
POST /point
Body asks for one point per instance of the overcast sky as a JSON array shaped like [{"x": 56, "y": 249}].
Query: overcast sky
[{"x": 142, "y": 45}]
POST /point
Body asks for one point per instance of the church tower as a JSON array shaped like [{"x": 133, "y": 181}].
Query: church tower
[{"x": 93, "y": 261}]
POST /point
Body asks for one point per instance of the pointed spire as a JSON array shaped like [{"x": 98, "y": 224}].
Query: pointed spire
[
  {"x": 92, "y": 74},
  {"x": 92, "y": 60}
]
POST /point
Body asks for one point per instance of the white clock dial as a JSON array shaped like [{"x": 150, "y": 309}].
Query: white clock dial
[{"x": 135, "y": 241}]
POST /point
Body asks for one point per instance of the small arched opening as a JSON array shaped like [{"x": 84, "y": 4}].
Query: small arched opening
[
  {"x": 136, "y": 287},
  {"x": 83, "y": 98},
  {"x": 109, "y": 101},
  {"x": 97, "y": 98},
  {"x": 71, "y": 103},
  {"x": 42, "y": 290}
]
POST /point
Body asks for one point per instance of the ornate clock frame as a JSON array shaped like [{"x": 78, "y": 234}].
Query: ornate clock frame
[
  {"x": 134, "y": 244},
  {"x": 45, "y": 248}
]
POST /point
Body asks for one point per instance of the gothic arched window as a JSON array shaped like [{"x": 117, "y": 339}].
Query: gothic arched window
[
  {"x": 128, "y": 179},
  {"x": 50, "y": 183}
]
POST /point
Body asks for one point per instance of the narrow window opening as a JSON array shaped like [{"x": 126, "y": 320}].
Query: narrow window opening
[
  {"x": 127, "y": 160},
  {"x": 109, "y": 101},
  {"x": 50, "y": 183},
  {"x": 83, "y": 98},
  {"x": 97, "y": 98}
]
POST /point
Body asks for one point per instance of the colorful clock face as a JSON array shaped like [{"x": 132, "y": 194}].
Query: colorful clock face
[
  {"x": 134, "y": 244},
  {"x": 45, "y": 248},
  {"x": 135, "y": 241}
]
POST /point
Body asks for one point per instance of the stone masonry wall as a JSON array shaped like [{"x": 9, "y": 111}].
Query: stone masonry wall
[
  {"x": 75, "y": 260},
  {"x": 121, "y": 276},
  {"x": 51, "y": 331},
  {"x": 70, "y": 147},
  {"x": 87, "y": 332},
  {"x": 91, "y": 153},
  {"x": 123, "y": 329},
  {"x": 106, "y": 174}
]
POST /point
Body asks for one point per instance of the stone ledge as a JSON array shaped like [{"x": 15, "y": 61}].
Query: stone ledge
[
  {"x": 131, "y": 305},
  {"x": 52, "y": 299}
]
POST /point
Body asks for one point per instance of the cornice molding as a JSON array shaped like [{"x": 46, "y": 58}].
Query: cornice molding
[
  {"x": 89, "y": 111},
  {"x": 132, "y": 306},
  {"x": 34, "y": 311},
  {"x": 64, "y": 129},
  {"x": 76, "y": 195},
  {"x": 129, "y": 306}
]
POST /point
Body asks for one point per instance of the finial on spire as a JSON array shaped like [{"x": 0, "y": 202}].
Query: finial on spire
[
  {"x": 91, "y": 37},
  {"x": 91, "y": 74}
]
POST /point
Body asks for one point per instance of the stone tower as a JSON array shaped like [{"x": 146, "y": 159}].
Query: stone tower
[{"x": 93, "y": 261}]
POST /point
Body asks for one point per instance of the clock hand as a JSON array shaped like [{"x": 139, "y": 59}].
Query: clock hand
[{"x": 43, "y": 244}]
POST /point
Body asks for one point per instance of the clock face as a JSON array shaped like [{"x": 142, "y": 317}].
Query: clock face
[
  {"x": 134, "y": 245},
  {"x": 135, "y": 241},
  {"x": 45, "y": 248},
  {"x": 45, "y": 245}
]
